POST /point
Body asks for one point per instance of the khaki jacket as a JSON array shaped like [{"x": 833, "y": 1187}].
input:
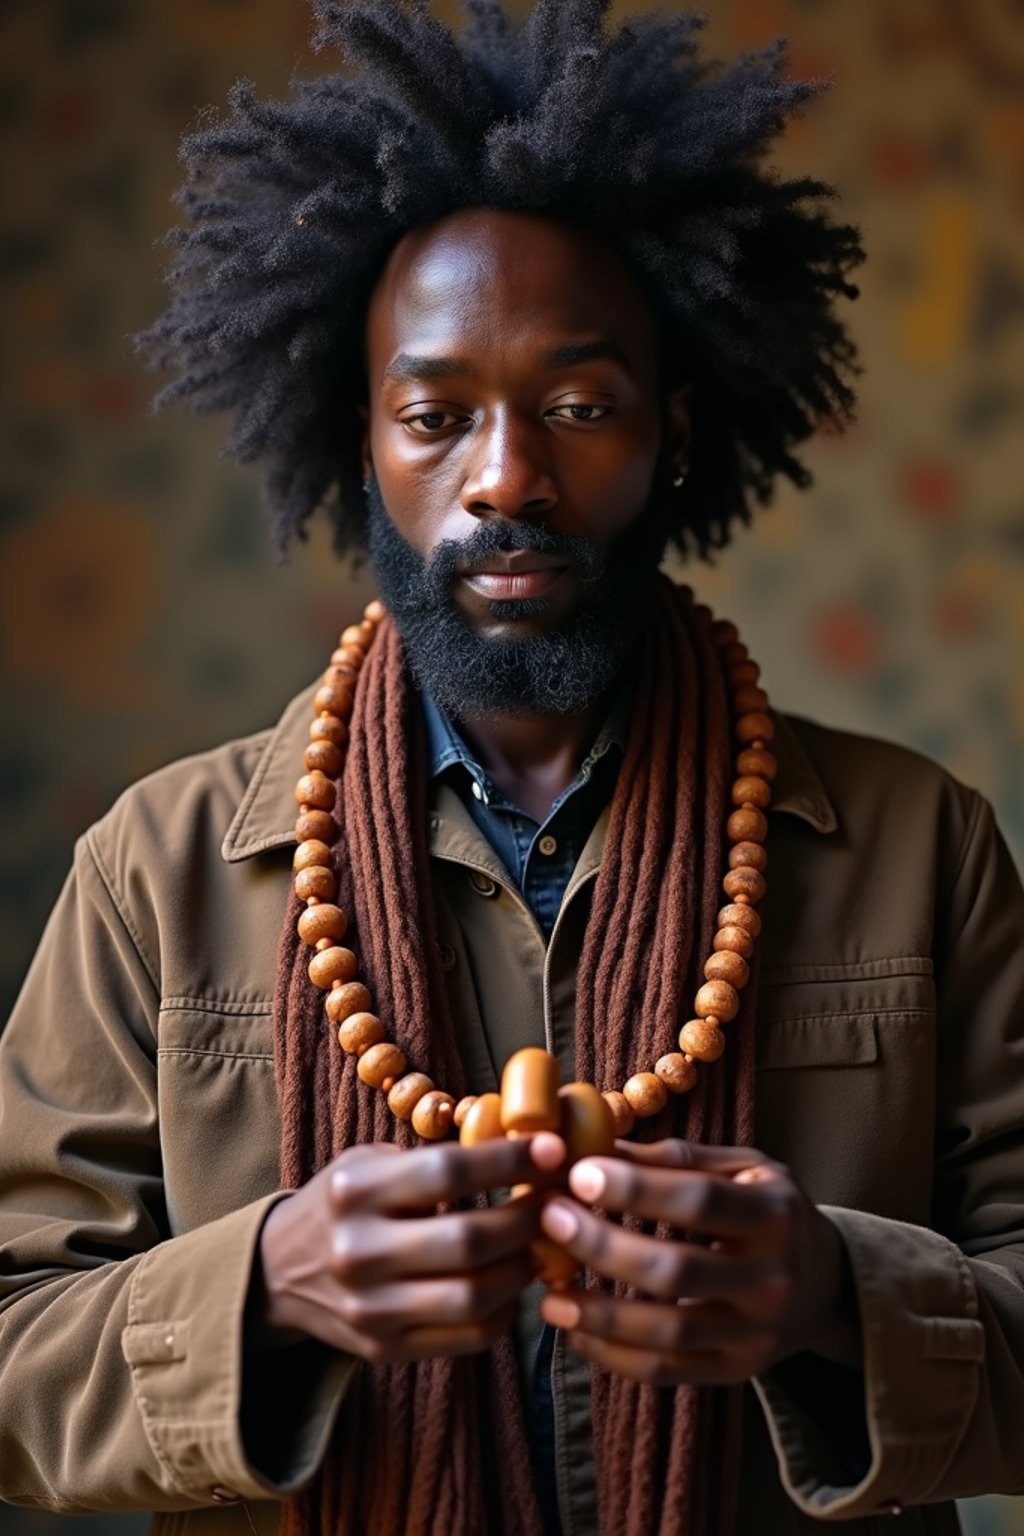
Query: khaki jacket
[{"x": 139, "y": 1140}]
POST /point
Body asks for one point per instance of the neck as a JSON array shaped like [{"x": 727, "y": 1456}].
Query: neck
[{"x": 533, "y": 758}]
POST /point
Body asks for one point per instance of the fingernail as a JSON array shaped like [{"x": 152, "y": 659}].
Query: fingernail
[
  {"x": 560, "y": 1311},
  {"x": 587, "y": 1180},
  {"x": 546, "y": 1149},
  {"x": 559, "y": 1221}
]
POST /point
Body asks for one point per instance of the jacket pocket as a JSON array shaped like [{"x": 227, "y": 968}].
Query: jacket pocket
[{"x": 845, "y": 1091}]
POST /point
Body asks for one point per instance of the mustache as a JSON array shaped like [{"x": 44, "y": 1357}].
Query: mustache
[{"x": 500, "y": 536}]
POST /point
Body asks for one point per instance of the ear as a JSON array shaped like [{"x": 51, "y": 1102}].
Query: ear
[
  {"x": 678, "y": 425},
  {"x": 366, "y": 453}
]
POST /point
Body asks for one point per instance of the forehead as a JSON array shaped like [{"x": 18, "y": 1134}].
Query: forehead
[{"x": 489, "y": 279}]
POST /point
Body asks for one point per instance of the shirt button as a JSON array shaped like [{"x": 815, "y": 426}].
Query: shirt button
[
  {"x": 447, "y": 957},
  {"x": 482, "y": 884},
  {"x": 892, "y": 1508},
  {"x": 548, "y": 844},
  {"x": 225, "y": 1495},
  {"x": 477, "y": 789}
]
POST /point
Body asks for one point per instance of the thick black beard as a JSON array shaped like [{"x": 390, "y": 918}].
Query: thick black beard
[{"x": 561, "y": 671}]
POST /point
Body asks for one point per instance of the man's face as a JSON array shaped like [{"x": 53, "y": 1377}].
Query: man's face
[{"x": 515, "y": 454}]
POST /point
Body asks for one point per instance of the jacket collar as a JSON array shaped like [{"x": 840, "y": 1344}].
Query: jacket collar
[{"x": 266, "y": 813}]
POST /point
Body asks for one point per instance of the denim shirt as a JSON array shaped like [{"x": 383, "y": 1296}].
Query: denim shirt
[{"x": 539, "y": 858}]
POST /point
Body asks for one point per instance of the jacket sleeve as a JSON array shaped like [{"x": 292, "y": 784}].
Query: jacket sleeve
[
  {"x": 123, "y": 1360},
  {"x": 941, "y": 1396}
]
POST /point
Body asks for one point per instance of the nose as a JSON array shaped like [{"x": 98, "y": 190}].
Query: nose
[{"x": 509, "y": 474}]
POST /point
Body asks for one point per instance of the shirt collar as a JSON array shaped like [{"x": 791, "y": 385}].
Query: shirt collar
[
  {"x": 446, "y": 748},
  {"x": 265, "y": 816}
]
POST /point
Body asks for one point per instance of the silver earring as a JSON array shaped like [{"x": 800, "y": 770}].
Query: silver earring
[{"x": 680, "y": 476}]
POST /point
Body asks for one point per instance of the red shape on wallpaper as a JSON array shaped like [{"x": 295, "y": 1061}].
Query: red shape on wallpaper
[
  {"x": 932, "y": 489},
  {"x": 896, "y": 161},
  {"x": 116, "y": 397},
  {"x": 846, "y": 640},
  {"x": 68, "y": 118}
]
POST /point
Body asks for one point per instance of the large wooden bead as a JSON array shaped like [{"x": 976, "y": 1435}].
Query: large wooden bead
[
  {"x": 374, "y": 611},
  {"x": 736, "y": 939},
  {"x": 623, "y": 1113},
  {"x": 324, "y": 921},
  {"x": 585, "y": 1123},
  {"x": 482, "y": 1120},
  {"x": 334, "y": 699},
  {"x": 749, "y": 789},
  {"x": 341, "y": 671},
  {"x": 646, "y": 1093},
  {"x": 328, "y": 727},
  {"x": 529, "y": 1092},
  {"x": 320, "y": 825},
  {"x": 353, "y": 655},
  {"x": 434, "y": 1115},
  {"x": 747, "y": 698},
  {"x": 317, "y": 884},
  {"x": 359, "y": 1032},
  {"x": 316, "y": 790},
  {"x": 678, "y": 1074},
  {"x": 325, "y": 756},
  {"x": 747, "y": 826},
  {"x": 755, "y": 726},
  {"x": 744, "y": 881},
  {"x": 381, "y": 1065},
  {"x": 347, "y": 1000},
  {"x": 724, "y": 633},
  {"x": 743, "y": 674},
  {"x": 357, "y": 634},
  {"x": 463, "y": 1108},
  {"x": 727, "y": 965},
  {"x": 748, "y": 853},
  {"x": 717, "y": 999},
  {"x": 702, "y": 1040},
  {"x": 407, "y": 1092},
  {"x": 758, "y": 760},
  {"x": 735, "y": 916},
  {"x": 332, "y": 965},
  {"x": 734, "y": 653},
  {"x": 309, "y": 853}
]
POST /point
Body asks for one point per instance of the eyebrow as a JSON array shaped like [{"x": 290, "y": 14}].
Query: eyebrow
[{"x": 407, "y": 366}]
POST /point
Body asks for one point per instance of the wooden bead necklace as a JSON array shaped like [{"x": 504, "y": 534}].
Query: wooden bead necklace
[{"x": 333, "y": 967}]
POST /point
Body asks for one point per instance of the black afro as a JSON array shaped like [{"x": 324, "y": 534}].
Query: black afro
[{"x": 293, "y": 207}]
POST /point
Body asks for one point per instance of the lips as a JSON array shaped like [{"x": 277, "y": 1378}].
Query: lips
[{"x": 516, "y": 573}]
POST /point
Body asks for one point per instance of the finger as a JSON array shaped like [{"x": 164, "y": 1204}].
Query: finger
[
  {"x": 429, "y": 1342},
  {"x": 693, "y": 1155},
  {"x": 370, "y": 1249},
  {"x": 660, "y": 1268},
  {"x": 706, "y": 1369},
  {"x": 657, "y": 1326},
  {"x": 453, "y": 1301},
  {"x": 694, "y": 1202},
  {"x": 440, "y": 1174}
]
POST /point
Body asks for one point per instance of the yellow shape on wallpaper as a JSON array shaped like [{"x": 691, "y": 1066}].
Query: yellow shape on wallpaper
[{"x": 934, "y": 323}]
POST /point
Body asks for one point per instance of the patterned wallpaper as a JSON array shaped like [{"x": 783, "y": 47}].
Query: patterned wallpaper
[{"x": 140, "y": 614}]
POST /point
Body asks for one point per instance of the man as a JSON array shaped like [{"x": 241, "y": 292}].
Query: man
[{"x": 526, "y": 305}]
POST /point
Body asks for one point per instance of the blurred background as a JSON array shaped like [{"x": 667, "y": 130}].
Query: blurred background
[{"x": 141, "y": 616}]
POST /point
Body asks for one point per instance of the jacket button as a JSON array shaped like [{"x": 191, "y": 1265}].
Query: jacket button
[
  {"x": 225, "y": 1495},
  {"x": 447, "y": 957},
  {"x": 548, "y": 845},
  {"x": 482, "y": 883}
]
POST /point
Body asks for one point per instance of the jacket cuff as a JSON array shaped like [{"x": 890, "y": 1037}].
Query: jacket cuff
[
  {"x": 923, "y": 1350},
  {"x": 185, "y": 1344}
]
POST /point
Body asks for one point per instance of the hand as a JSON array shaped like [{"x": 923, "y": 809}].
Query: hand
[
  {"x": 360, "y": 1259},
  {"x": 774, "y": 1280}
]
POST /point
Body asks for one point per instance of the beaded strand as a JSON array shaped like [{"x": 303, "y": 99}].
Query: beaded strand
[{"x": 334, "y": 968}]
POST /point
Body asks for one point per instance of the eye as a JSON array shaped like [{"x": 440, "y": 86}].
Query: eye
[
  {"x": 580, "y": 412},
  {"x": 430, "y": 423}
]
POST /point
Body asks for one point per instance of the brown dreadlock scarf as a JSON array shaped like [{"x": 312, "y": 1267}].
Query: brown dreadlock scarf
[{"x": 409, "y": 1452}]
